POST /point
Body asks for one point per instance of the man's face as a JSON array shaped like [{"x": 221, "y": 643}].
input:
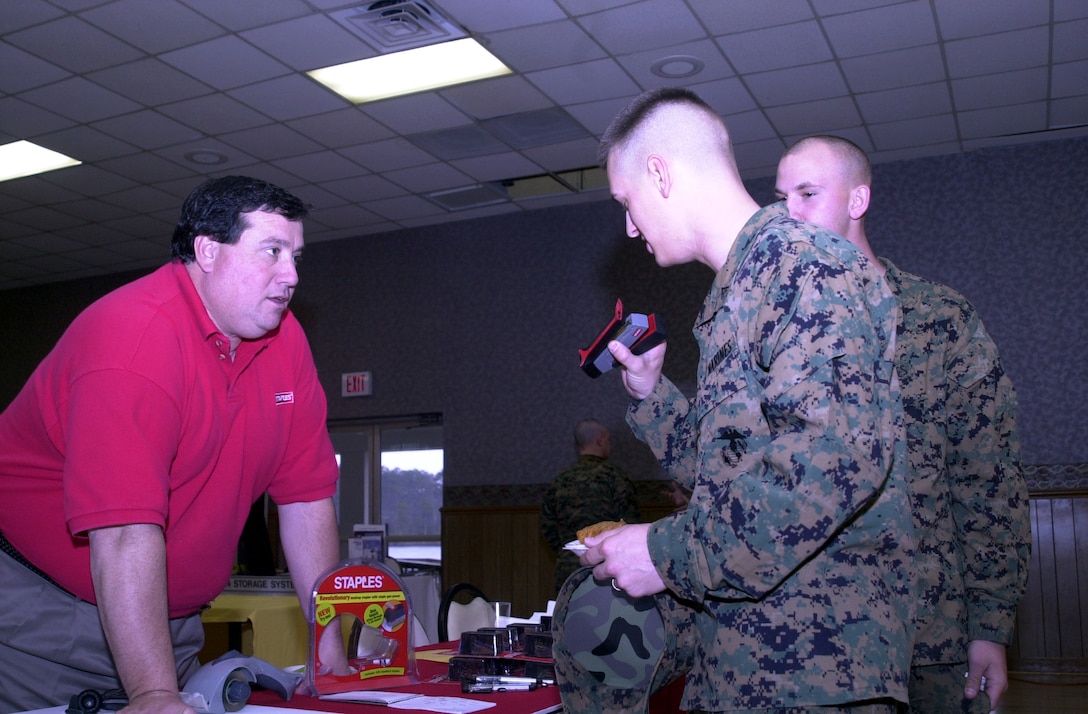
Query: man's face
[
  {"x": 814, "y": 188},
  {"x": 250, "y": 283},
  {"x": 633, "y": 187}
]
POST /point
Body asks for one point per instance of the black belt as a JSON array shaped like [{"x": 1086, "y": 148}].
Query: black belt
[{"x": 8, "y": 548}]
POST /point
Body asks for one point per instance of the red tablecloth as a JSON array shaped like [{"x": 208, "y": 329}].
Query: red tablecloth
[{"x": 538, "y": 701}]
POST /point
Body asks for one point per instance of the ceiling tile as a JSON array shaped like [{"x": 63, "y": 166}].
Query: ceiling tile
[
  {"x": 80, "y": 100},
  {"x": 644, "y": 25},
  {"x": 144, "y": 168},
  {"x": 818, "y": 117},
  {"x": 1018, "y": 119},
  {"x": 88, "y": 180},
  {"x": 776, "y": 47},
  {"x": 458, "y": 142},
  {"x": 310, "y": 42},
  {"x": 288, "y": 97},
  {"x": 387, "y": 155},
  {"x": 568, "y": 155},
  {"x": 798, "y": 84},
  {"x": 23, "y": 70},
  {"x": 225, "y": 63},
  {"x": 74, "y": 45},
  {"x": 431, "y": 177},
  {"x": 416, "y": 113},
  {"x": 585, "y": 82},
  {"x": 19, "y": 14},
  {"x": 1071, "y": 41},
  {"x": 401, "y": 208},
  {"x": 913, "y": 132},
  {"x": 1069, "y": 79},
  {"x": 345, "y": 216},
  {"x": 147, "y": 129},
  {"x": 723, "y": 18},
  {"x": 997, "y": 90},
  {"x": 340, "y": 128},
  {"x": 489, "y": 16},
  {"x": 24, "y": 120},
  {"x": 755, "y": 154},
  {"x": 884, "y": 29},
  {"x": 363, "y": 188},
  {"x": 496, "y": 97},
  {"x": 891, "y": 70},
  {"x": 596, "y": 116},
  {"x": 1069, "y": 112},
  {"x": 149, "y": 82},
  {"x": 998, "y": 53},
  {"x": 320, "y": 166},
  {"x": 555, "y": 44},
  {"x": 750, "y": 126},
  {"x": 215, "y": 113},
  {"x": 968, "y": 18},
  {"x": 272, "y": 141},
  {"x": 1069, "y": 10},
  {"x": 905, "y": 103},
  {"x": 726, "y": 96},
  {"x": 827, "y": 8},
  {"x": 497, "y": 167},
  {"x": 173, "y": 25},
  {"x": 237, "y": 16}
]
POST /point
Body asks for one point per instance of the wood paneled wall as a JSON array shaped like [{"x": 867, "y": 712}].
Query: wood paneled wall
[
  {"x": 501, "y": 551},
  {"x": 1052, "y": 623}
]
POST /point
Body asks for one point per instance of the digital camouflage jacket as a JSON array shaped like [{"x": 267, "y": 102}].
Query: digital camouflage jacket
[
  {"x": 969, "y": 497},
  {"x": 798, "y": 539}
]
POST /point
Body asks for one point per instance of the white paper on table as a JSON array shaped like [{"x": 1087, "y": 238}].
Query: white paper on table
[
  {"x": 535, "y": 619},
  {"x": 408, "y": 700}
]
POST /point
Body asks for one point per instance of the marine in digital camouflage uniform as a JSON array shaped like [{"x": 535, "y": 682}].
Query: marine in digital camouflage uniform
[
  {"x": 968, "y": 493},
  {"x": 969, "y": 497},
  {"x": 588, "y": 491},
  {"x": 797, "y": 540},
  {"x": 794, "y": 550}
]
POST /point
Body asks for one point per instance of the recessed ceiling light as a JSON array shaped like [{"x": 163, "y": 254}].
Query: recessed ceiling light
[
  {"x": 677, "y": 66},
  {"x": 22, "y": 158},
  {"x": 206, "y": 157},
  {"x": 410, "y": 71}
]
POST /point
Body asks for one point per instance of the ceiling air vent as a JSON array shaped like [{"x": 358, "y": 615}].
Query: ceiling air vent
[{"x": 395, "y": 25}]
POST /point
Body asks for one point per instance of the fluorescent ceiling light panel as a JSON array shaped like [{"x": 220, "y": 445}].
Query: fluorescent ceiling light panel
[
  {"x": 415, "y": 70},
  {"x": 22, "y": 158}
]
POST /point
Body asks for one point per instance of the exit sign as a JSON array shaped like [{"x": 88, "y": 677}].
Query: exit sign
[{"x": 355, "y": 384}]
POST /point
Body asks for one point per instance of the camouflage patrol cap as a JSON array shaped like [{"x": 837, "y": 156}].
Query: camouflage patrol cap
[{"x": 612, "y": 651}]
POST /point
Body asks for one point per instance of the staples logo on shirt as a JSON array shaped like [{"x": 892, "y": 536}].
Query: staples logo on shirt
[{"x": 285, "y": 398}]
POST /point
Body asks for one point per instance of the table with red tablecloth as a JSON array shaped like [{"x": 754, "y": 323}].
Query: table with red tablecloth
[{"x": 433, "y": 664}]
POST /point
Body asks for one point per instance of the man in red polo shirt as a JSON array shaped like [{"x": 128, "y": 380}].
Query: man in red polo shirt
[{"x": 130, "y": 460}]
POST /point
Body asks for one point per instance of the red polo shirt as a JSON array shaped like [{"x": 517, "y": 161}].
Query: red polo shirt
[{"x": 138, "y": 415}]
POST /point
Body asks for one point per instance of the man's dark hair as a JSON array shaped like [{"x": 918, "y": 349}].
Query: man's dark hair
[
  {"x": 632, "y": 116},
  {"x": 215, "y": 209}
]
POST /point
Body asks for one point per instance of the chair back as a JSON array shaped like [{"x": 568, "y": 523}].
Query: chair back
[{"x": 455, "y": 617}]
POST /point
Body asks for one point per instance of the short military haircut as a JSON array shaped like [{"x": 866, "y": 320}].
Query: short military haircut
[
  {"x": 216, "y": 207},
  {"x": 641, "y": 111},
  {"x": 587, "y": 431},
  {"x": 851, "y": 157}
]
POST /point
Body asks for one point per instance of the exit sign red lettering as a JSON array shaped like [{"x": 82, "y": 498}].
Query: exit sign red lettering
[{"x": 355, "y": 384}]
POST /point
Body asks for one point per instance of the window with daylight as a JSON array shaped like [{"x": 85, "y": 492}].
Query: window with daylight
[{"x": 391, "y": 473}]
